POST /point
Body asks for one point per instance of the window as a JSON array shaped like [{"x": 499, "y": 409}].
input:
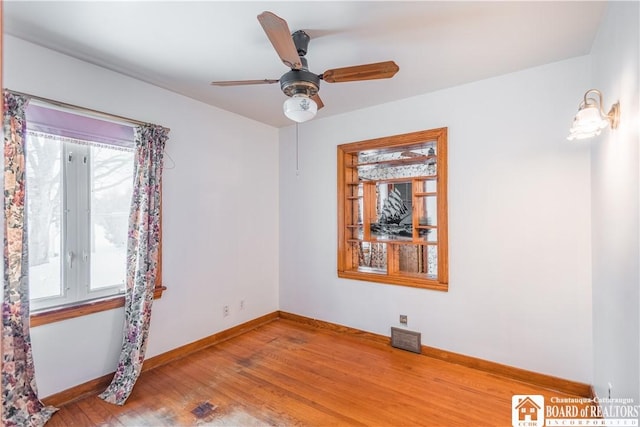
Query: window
[
  {"x": 392, "y": 210},
  {"x": 79, "y": 187}
]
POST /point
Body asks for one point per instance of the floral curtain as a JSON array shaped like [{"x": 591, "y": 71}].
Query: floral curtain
[
  {"x": 21, "y": 406},
  {"x": 142, "y": 260}
]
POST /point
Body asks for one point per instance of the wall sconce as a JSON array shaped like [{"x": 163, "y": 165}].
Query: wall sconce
[{"x": 591, "y": 118}]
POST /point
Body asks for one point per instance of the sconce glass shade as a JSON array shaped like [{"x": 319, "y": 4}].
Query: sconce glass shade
[
  {"x": 587, "y": 123},
  {"x": 591, "y": 119},
  {"x": 300, "y": 108}
]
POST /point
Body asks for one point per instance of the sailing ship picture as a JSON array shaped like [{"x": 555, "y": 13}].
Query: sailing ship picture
[
  {"x": 395, "y": 220},
  {"x": 394, "y": 209}
]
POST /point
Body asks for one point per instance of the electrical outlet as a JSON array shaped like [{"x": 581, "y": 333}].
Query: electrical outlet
[
  {"x": 403, "y": 319},
  {"x": 225, "y": 311},
  {"x": 241, "y": 304}
]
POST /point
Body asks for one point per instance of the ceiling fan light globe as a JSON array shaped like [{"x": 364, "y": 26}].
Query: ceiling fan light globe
[{"x": 300, "y": 108}]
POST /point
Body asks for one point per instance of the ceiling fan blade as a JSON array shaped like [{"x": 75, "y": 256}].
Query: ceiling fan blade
[
  {"x": 280, "y": 37},
  {"x": 244, "y": 82},
  {"x": 318, "y": 101},
  {"x": 378, "y": 70}
]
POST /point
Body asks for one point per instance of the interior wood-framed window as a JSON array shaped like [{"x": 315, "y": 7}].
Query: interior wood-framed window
[{"x": 392, "y": 210}]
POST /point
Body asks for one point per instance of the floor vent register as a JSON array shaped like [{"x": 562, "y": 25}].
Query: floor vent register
[{"x": 406, "y": 340}]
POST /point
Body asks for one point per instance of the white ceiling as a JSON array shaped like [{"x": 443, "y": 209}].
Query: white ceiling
[{"x": 184, "y": 45}]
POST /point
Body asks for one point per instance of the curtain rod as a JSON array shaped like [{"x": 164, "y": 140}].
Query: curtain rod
[{"x": 78, "y": 108}]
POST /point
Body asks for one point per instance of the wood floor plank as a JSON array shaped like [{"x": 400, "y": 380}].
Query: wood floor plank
[
  {"x": 72, "y": 416},
  {"x": 320, "y": 386},
  {"x": 286, "y": 373},
  {"x": 275, "y": 401},
  {"x": 98, "y": 413},
  {"x": 377, "y": 388}
]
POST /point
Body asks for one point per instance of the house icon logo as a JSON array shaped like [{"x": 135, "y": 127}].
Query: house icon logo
[{"x": 527, "y": 410}]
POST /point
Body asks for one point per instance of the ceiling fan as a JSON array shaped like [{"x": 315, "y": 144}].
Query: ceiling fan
[{"x": 300, "y": 84}]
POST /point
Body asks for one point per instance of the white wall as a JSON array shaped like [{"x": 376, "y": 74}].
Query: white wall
[
  {"x": 220, "y": 224},
  {"x": 615, "y": 199},
  {"x": 520, "y": 236}
]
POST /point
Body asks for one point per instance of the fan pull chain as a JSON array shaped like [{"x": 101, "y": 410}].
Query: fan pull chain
[{"x": 297, "y": 161}]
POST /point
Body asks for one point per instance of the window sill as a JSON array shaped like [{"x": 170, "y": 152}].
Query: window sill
[
  {"x": 405, "y": 280},
  {"x": 64, "y": 313}
]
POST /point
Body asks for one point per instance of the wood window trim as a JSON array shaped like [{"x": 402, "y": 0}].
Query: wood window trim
[
  {"x": 406, "y": 141},
  {"x": 89, "y": 307},
  {"x": 57, "y": 314}
]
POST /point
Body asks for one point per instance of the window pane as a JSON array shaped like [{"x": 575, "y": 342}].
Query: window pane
[
  {"x": 427, "y": 186},
  {"x": 44, "y": 216},
  {"x": 111, "y": 186},
  {"x": 428, "y": 211},
  {"x": 372, "y": 257},
  {"x": 402, "y": 153},
  {"x": 432, "y": 261},
  {"x": 418, "y": 259},
  {"x": 399, "y": 163},
  {"x": 412, "y": 259},
  {"x": 382, "y": 172}
]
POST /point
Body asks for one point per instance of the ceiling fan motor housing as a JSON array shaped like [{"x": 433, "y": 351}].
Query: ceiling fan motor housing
[{"x": 300, "y": 81}]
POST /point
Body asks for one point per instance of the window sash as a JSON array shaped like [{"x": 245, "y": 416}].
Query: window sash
[{"x": 75, "y": 254}]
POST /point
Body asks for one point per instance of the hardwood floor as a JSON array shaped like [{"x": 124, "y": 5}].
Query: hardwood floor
[{"x": 286, "y": 373}]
